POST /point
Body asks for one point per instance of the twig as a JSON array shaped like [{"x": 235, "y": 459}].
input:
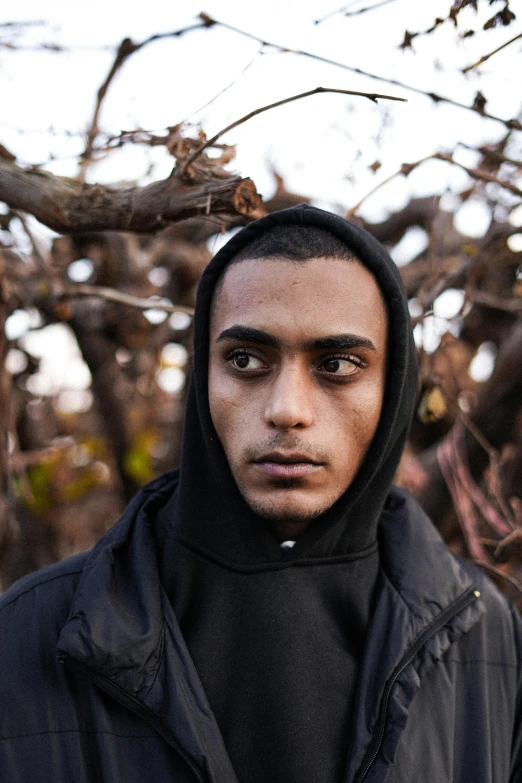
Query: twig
[
  {"x": 125, "y": 49},
  {"x": 405, "y": 169},
  {"x": 368, "y": 8},
  {"x": 491, "y": 154},
  {"x": 475, "y": 432},
  {"x": 359, "y": 11},
  {"x": 499, "y": 572},
  {"x": 42, "y": 263},
  {"x": 492, "y": 300},
  {"x": 493, "y": 455},
  {"x": 138, "y": 136},
  {"x": 112, "y": 295},
  {"x": 52, "y": 47},
  {"x": 210, "y": 142},
  {"x": 487, "y": 56},
  {"x": 479, "y": 174},
  {"x": 228, "y": 86},
  {"x": 512, "y": 124},
  {"x": 501, "y": 545},
  {"x": 30, "y": 23}
]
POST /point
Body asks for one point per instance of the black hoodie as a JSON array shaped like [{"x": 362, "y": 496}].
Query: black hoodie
[{"x": 277, "y": 637}]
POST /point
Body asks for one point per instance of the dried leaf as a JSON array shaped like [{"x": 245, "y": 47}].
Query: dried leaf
[
  {"x": 501, "y": 19},
  {"x": 457, "y": 7},
  {"x": 432, "y": 406},
  {"x": 407, "y": 168},
  {"x": 408, "y": 38},
  {"x": 479, "y": 104}
]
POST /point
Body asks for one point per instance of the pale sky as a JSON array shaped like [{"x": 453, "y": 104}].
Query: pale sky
[{"x": 323, "y": 146}]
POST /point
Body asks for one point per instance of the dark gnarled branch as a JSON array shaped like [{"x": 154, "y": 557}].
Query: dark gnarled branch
[{"x": 69, "y": 206}]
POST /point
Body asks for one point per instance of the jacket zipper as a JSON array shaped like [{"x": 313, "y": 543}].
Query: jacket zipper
[
  {"x": 135, "y": 706},
  {"x": 448, "y": 614}
]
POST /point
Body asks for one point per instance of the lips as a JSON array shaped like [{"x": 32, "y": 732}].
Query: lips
[{"x": 287, "y": 465}]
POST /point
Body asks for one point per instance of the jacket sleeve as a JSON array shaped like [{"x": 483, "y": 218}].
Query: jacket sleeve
[{"x": 516, "y": 750}]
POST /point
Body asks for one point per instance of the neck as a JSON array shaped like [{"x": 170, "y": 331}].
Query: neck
[{"x": 288, "y": 529}]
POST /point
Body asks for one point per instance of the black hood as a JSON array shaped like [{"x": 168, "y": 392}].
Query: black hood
[
  {"x": 277, "y": 638},
  {"x": 209, "y": 508}
]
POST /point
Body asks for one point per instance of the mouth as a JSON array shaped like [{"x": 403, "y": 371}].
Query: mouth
[{"x": 287, "y": 465}]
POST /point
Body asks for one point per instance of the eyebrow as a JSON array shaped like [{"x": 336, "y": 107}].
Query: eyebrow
[{"x": 247, "y": 334}]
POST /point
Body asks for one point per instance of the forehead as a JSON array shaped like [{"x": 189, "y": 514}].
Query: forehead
[{"x": 317, "y": 297}]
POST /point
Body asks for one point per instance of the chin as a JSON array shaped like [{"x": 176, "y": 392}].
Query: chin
[{"x": 290, "y": 510}]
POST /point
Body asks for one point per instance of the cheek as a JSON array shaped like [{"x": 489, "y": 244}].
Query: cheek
[
  {"x": 231, "y": 417},
  {"x": 358, "y": 422}
]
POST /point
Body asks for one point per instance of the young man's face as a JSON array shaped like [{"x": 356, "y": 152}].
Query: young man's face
[{"x": 296, "y": 380}]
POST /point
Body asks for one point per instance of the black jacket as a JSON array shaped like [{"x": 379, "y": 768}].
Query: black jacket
[{"x": 96, "y": 683}]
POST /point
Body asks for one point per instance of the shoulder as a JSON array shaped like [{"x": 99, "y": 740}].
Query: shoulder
[
  {"x": 49, "y": 589},
  {"x": 32, "y": 613},
  {"x": 33, "y": 686},
  {"x": 426, "y": 573},
  {"x": 500, "y": 631}
]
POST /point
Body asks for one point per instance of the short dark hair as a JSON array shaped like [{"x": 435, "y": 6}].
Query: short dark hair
[{"x": 295, "y": 243}]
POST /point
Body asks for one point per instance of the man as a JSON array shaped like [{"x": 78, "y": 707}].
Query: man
[{"x": 274, "y": 611}]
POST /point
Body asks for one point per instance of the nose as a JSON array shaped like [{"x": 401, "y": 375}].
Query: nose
[{"x": 290, "y": 403}]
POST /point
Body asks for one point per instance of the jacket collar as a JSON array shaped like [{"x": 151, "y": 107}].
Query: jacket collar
[{"x": 122, "y": 631}]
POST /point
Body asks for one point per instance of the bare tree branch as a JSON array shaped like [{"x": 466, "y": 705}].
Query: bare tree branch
[
  {"x": 479, "y": 174},
  {"x": 125, "y": 49},
  {"x": 318, "y": 90},
  {"x": 31, "y": 23},
  {"x": 487, "y": 56},
  {"x": 227, "y": 87},
  {"x": 68, "y": 206},
  {"x": 112, "y": 295},
  {"x": 404, "y": 170},
  {"x": 344, "y": 11},
  {"x": 512, "y": 124},
  {"x": 498, "y": 302},
  {"x": 407, "y": 168},
  {"x": 37, "y": 252}
]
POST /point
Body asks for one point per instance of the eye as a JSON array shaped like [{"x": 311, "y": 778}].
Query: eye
[
  {"x": 242, "y": 360},
  {"x": 341, "y": 365}
]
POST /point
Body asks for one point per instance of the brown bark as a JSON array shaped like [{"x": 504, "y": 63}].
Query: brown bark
[
  {"x": 418, "y": 212},
  {"x": 68, "y": 206},
  {"x": 98, "y": 354}
]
